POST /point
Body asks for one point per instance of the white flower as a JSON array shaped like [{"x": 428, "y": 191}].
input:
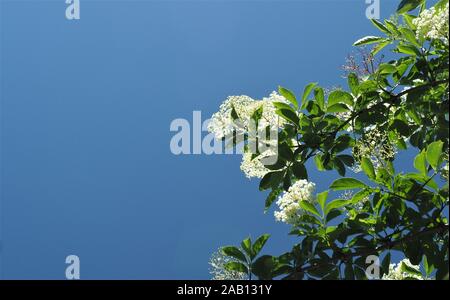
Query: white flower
[
  {"x": 432, "y": 24},
  {"x": 222, "y": 123},
  {"x": 217, "y": 269},
  {"x": 396, "y": 271},
  {"x": 374, "y": 145},
  {"x": 289, "y": 206},
  {"x": 253, "y": 166}
]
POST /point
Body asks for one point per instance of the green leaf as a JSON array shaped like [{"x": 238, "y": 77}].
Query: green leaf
[
  {"x": 347, "y": 184},
  {"x": 409, "y": 35},
  {"x": 420, "y": 163},
  {"x": 380, "y": 47},
  {"x": 336, "y": 204},
  {"x": 271, "y": 180},
  {"x": 408, "y": 49},
  {"x": 319, "y": 95},
  {"x": 234, "y": 252},
  {"x": 385, "y": 264},
  {"x": 288, "y": 115},
  {"x": 409, "y": 270},
  {"x": 288, "y": 95},
  {"x": 282, "y": 105},
  {"x": 367, "y": 166},
  {"x": 306, "y": 93},
  {"x": 408, "y": 5},
  {"x": 387, "y": 69},
  {"x": 339, "y": 96},
  {"x": 271, "y": 198},
  {"x": 309, "y": 208},
  {"x": 299, "y": 170},
  {"x": 236, "y": 266},
  {"x": 380, "y": 26},
  {"x": 259, "y": 243},
  {"x": 429, "y": 268},
  {"x": 322, "y": 198},
  {"x": 353, "y": 83},
  {"x": 368, "y": 40},
  {"x": 338, "y": 107},
  {"x": 247, "y": 247},
  {"x": 263, "y": 267},
  {"x": 434, "y": 152}
]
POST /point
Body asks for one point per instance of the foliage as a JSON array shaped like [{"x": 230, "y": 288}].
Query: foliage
[{"x": 401, "y": 105}]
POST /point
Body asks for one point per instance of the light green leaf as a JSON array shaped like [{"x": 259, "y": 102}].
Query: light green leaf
[
  {"x": 306, "y": 93},
  {"x": 288, "y": 95},
  {"x": 434, "y": 152},
  {"x": 310, "y": 208},
  {"x": 368, "y": 40},
  {"x": 380, "y": 26},
  {"x": 336, "y": 204},
  {"x": 367, "y": 166},
  {"x": 408, "y": 5},
  {"x": 339, "y": 96},
  {"x": 347, "y": 184},
  {"x": 322, "y": 198},
  {"x": 420, "y": 163}
]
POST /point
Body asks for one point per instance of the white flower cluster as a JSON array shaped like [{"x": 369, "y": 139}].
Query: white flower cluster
[
  {"x": 222, "y": 123},
  {"x": 396, "y": 271},
  {"x": 432, "y": 24},
  {"x": 288, "y": 204},
  {"x": 357, "y": 207},
  {"x": 217, "y": 264},
  {"x": 223, "y": 126},
  {"x": 253, "y": 166},
  {"x": 374, "y": 145}
]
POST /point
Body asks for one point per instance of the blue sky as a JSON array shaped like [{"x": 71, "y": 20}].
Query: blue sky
[{"x": 86, "y": 105}]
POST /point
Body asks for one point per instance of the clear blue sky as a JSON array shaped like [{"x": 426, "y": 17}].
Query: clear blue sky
[{"x": 86, "y": 105}]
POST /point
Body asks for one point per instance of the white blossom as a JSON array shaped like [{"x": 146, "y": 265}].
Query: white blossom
[
  {"x": 396, "y": 271},
  {"x": 222, "y": 123},
  {"x": 432, "y": 24},
  {"x": 289, "y": 202},
  {"x": 374, "y": 145},
  {"x": 254, "y": 166}
]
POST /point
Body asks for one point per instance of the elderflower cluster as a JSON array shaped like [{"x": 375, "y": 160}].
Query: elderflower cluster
[
  {"x": 357, "y": 207},
  {"x": 397, "y": 272},
  {"x": 376, "y": 146},
  {"x": 218, "y": 271},
  {"x": 289, "y": 203},
  {"x": 432, "y": 24},
  {"x": 222, "y": 123},
  {"x": 254, "y": 166}
]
